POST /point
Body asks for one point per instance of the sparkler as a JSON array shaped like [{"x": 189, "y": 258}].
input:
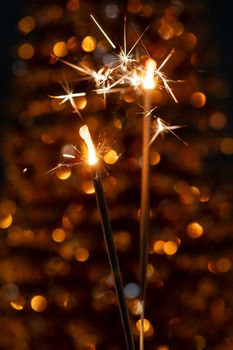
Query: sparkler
[
  {"x": 148, "y": 85},
  {"x": 107, "y": 231}
]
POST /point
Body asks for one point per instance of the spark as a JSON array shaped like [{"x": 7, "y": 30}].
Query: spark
[
  {"x": 66, "y": 155},
  {"x": 163, "y": 127},
  {"x": 85, "y": 135},
  {"x": 163, "y": 77},
  {"x": 104, "y": 33},
  {"x": 70, "y": 97}
]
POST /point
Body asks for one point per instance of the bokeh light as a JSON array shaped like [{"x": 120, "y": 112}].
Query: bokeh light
[
  {"x": 89, "y": 44},
  {"x": 26, "y": 51},
  {"x": 39, "y": 303},
  {"x": 60, "y": 49},
  {"x": 194, "y": 230}
]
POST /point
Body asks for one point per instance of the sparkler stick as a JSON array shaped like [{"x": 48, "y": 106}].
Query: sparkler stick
[
  {"x": 106, "y": 227},
  {"x": 148, "y": 85}
]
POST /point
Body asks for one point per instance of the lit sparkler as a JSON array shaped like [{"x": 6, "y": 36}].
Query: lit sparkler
[
  {"x": 148, "y": 85},
  {"x": 107, "y": 231}
]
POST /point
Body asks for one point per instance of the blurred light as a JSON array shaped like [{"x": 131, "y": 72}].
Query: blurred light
[
  {"x": 47, "y": 138},
  {"x": 178, "y": 28},
  {"x": 8, "y": 207},
  {"x": 129, "y": 98},
  {"x": 134, "y": 6},
  {"x": 111, "y": 157},
  {"x": 189, "y": 40},
  {"x": 147, "y": 325},
  {"x": 72, "y": 43},
  {"x": 81, "y": 102},
  {"x": 19, "y": 68},
  {"x": 131, "y": 290},
  {"x": 147, "y": 10},
  {"x": 18, "y": 303},
  {"x": 212, "y": 267},
  {"x": 166, "y": 31},
  {"x": 159, "y": 247},
  {"x": 226, "y": 146},
  {"x": 150, "y": 270},
  {"x": 205, "y": 195},
  {"x": 26, "y": 51},
  {"x": 88, "y": 187},
  {"x": 35, "y": 108},
  {"x": 67, "y": 250},
  {"x": 154, "y": 158},
  {"x": 14, "y": 237},
  {"x": 54, "y": 12},
  {"x": 223, "y": 264},
  {"x": 170, "y": 248},
  {"x": 27, "y": 24},
  {"x": 111, "y": 11},
  {"x": 218, "y": 120},
  {"x": 200, "y": 341},
  {"x": 38, "y": 303},
  {"x": 89, "y": 44},
  {"x": 194, "y": 230},
  {"x": 162, "y": 347},
  {"x": 198, "y": 99},
  {"x": 66, "y": 222},
  {"x": 81, "y": 254},
  {"x": 58, "y": 235},
  {"x": 117, "y": 123},
  {"x": 63, "y": 173},
  {"x": 5, "y": 221},
  {"x": 122, "y": 240},
  {"x": 73, "y": 5},
  {"x": 60, "y": 49},
  {"x": 10, "y": 291}
]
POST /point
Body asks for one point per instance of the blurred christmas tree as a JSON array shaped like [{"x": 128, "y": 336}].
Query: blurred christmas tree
[{"x": 56, "y": 287}]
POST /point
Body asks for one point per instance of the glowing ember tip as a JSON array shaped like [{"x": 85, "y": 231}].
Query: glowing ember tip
[
  {"x": 149, "y": 81},
  {"x": 85, "y": 135}
]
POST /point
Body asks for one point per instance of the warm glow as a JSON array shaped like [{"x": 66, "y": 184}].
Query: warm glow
[
  {"x": 158, "y": 247},
  {"x": 81, "y": 254},
  {"x": 226, "y": 146},
  {"x": 194, "y": 230},
  {"x": 18, "y": 303},
  {"x": 170, "y": 248},
  {"x": 223, "y": 264},
  {"x": 58, "y": 235},
  {"x": 26, "y": 51},
  {"x": 198, "y": 99},
  {"x": 146, "y": 327},
  {"x": 26, "y": 24},
  {"x": 85, "y": 135},
  {"x": 63, "y": 173},
  {"x": 60, "y": 49},
  {"x": 38, "y": 303},
  {"x": 149, "y": 81},
  {"x": 111, "y": 157},
  {"x": 89, "y": 44},
  {"x": 5, "y": 221}
]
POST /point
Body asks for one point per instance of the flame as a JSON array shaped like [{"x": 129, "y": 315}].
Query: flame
[
  {"x": 149, "y": 81},
  {"x": 85, "y": 135}
]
